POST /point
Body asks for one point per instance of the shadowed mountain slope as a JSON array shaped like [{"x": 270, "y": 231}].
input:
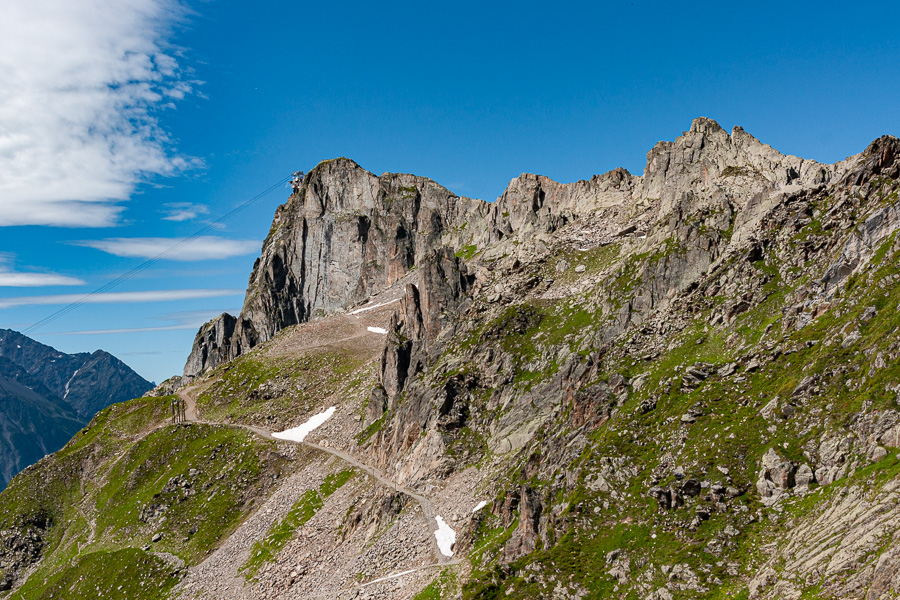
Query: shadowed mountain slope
[{"x": 48, "y": 395}]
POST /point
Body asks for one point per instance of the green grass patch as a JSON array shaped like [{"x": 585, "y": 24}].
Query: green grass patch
[
  {"x": 127, "y": 574},
  {"x": 252, "y": 388},
  {"x": 444, "y": 586},
  {"x": 194, "y": 483},
  {"x": 467, "y": 252}
]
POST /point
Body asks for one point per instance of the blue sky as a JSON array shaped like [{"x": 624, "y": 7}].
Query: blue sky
[{"x": 126, "y": 124}]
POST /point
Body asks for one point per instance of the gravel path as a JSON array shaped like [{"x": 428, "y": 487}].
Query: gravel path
[
  {"x": 428, "y": 511},
  {"x": 219, "y": 577}
]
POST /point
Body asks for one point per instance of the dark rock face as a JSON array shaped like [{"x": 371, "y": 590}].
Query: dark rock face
[
  {"x": 33, "y": 420},
  {"x": 425, "y": 313},
  {"x": 20, "y": 547},
  {"x": 406, "y": 336},
  {"x": 46, "y": 396},
  {"x": 525, "y": 537},
  {"x": 214, "y": 344},
  {"x": 419, "y": 329}
]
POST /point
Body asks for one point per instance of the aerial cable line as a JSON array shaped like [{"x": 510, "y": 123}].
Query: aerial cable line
[{"x": 152, "y": 261}]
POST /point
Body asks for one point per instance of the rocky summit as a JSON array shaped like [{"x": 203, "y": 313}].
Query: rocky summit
[{"x": 682, "y": 384}]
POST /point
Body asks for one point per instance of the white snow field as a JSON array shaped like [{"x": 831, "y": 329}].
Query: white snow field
[
  {"x": 373, "y": 307},
  {"x": 446, "y": 537},
  {"x": 298, "y": 434}
]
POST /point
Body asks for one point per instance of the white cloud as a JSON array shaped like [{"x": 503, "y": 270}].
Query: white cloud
[
  {"x": 183, "y": 320},
  {"x": 183, "y": 211},
  {"x": 205, "y": 247},
  {"x": 12, "y": 278},
  {"x": 118, "y": 297},
  {"x": 81, "y": 83},
  {"x": 129, "y": 330}
]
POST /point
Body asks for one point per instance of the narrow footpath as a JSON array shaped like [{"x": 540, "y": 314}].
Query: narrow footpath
[{"x": 187, "y": 394}]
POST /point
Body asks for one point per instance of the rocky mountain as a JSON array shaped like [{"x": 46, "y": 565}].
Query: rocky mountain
[
  {"x": 33, "y": 421},
  {"x": 682, "y": 384},
  {"x": 48, "y": 395},
  {"x": 345, "y": 236}
]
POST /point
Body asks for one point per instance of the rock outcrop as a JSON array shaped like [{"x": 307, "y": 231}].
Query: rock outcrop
[{"x": 344, "y": 235}]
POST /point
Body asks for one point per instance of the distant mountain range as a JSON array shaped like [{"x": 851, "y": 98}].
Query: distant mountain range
[{"x": 46, "y": 396}]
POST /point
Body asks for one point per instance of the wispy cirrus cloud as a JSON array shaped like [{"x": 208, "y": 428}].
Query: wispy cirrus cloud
[
  {"x": 118, "y": 297},
  {"x": 14, "y": 279},
  {"x": 186, "y": 320},
  {"x": 125, "y": 330},
  {"x": 183, "y": 211},
  {"x": 9, "y": 277},
  {"x": 205, "y": 247},
  {"x": 82, "y": 85}
]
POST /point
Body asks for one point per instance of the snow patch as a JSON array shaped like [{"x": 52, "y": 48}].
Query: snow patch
[
  {"x": 70, "y": 381},
  {"x": 373, "y": 307},
  {"x": 479, "y": 506},
  {"x": 377, "y": 330},
  {"x": 298, "y": 434},
  {"x": 446, "y": 537}
]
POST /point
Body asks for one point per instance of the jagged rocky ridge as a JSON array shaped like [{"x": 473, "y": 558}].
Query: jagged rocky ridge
[
  {"x": 347, "y": 234},
  {"x": 677, "y": 385}
]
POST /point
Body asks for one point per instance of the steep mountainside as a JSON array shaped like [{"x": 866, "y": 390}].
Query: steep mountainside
[
  {"x": 683, "y": 384},
  {"x": 48, "y": 395},
  {"x": 88, "y": 382},
  {"x": 33, "y": 421}
]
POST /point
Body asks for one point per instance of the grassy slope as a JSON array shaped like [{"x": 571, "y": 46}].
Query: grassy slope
[
  {"x": 96, "y": 491},
  {"x": 272, "y": 391}
]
